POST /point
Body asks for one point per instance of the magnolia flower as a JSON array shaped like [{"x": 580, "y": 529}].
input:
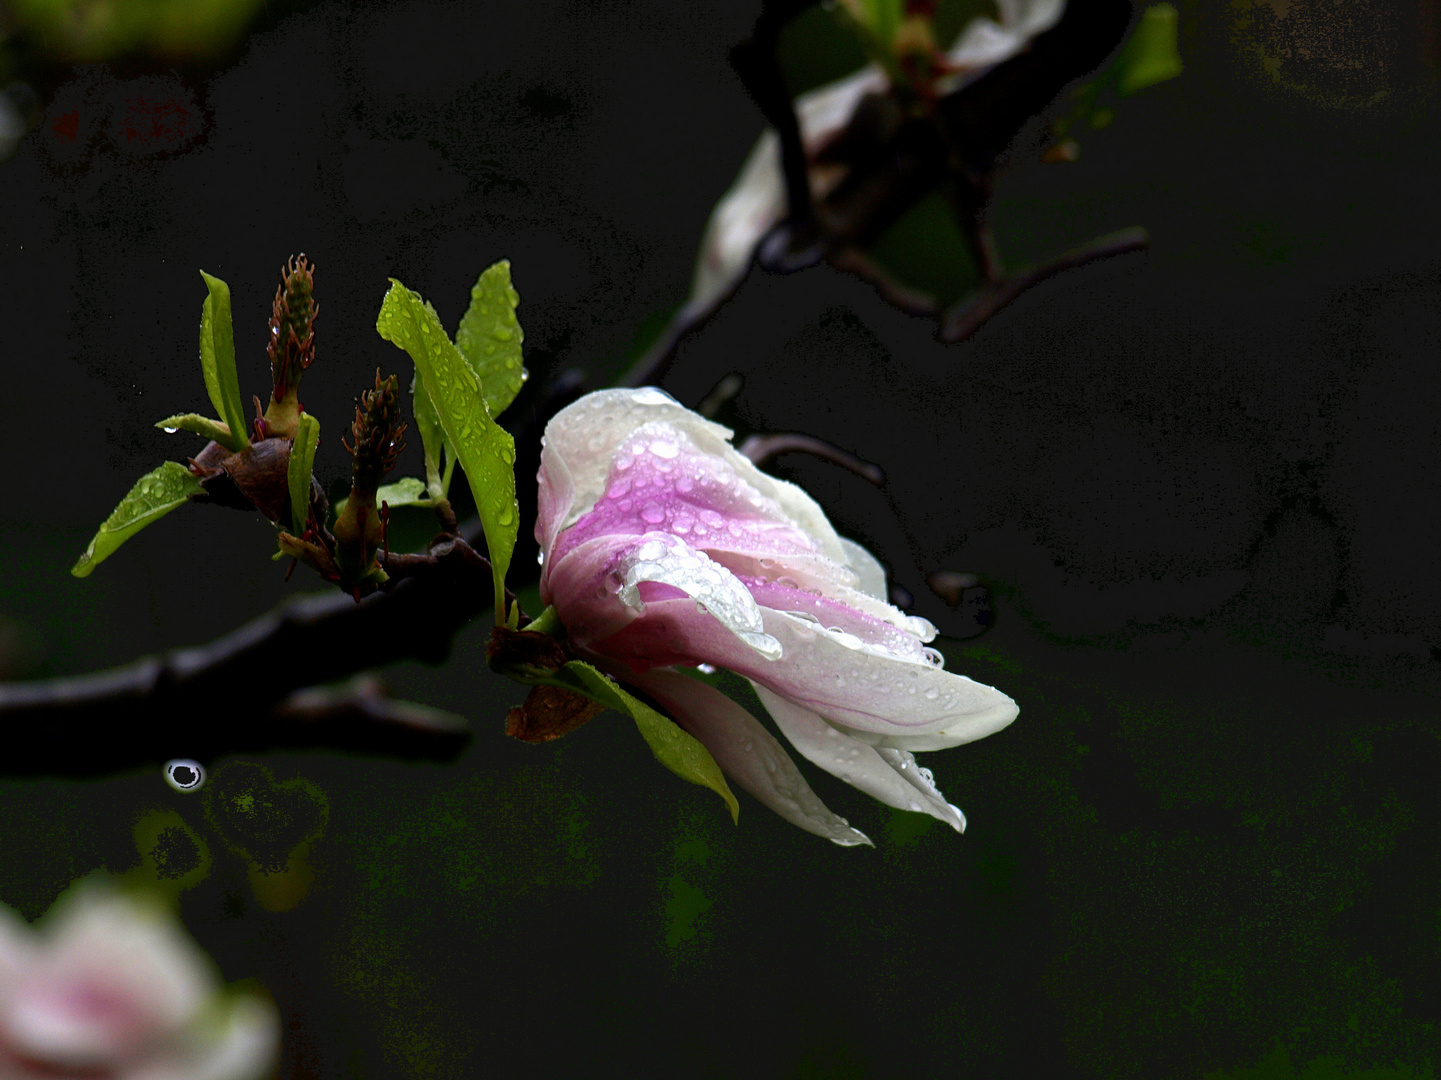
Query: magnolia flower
[
  {"x": 663, "y": 547},
  {"x": 757, "y": 199},
  {"x": 113, "y": 988}
]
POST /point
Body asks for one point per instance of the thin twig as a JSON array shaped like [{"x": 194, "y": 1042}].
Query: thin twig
[
  {"x": 762, "y": 449},
  {"x": 967, "y": 316},
  {"x": 892, "y": 290}
]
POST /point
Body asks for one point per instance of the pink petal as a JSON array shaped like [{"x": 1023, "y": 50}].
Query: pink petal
[
  {"x": 588, "y": 434},
  {"x": 747, "y": 752},
  {"x": 660, "y": 481},
  {"x": 890, "y": 776},
  {"x": 115, "y": 972}
]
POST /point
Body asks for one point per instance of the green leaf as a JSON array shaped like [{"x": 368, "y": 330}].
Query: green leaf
[
  {"x": 154, "y": 495},
  {"x": 490, "y": 336},
  {"x": 201, "y": 425},
  {"x": 302, "y": 461},
  {"x": 406, "y": 492},
  {"x": 673, "y": 747},
  {"x": 486, "y": 451},
  {"x": 1151, "y": 55},
  {"x": 217, "y": 358},
  {"x": 432, "y": 437}
]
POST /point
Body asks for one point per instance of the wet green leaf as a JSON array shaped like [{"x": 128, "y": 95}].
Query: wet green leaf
[
  {"x": 484, "y": 449},
  {"x": 405, "y": 492},
  {"x": 673, "y": 747},
  {"x": 432, "y": 437},
  {"x": 200, "y": 425},
  {"x": 490, "y": 337},
  {"x": 302, "y": 461},
  {"x": 217, "y": 359},
  {"x": 154, "y": 495}
]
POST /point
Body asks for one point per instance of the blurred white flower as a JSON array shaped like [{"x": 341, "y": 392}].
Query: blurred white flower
[
  {"x": 757, "y": 199},
  {"x": 110, "y": 986}
]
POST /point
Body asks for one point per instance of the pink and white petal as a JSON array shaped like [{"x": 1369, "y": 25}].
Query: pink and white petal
[
  {"x": 597, "y": 590},
  {"x": 850, "y": 685},
  {"x": 587, "y": 433},
  {"x": 134, "y": 944},
  {"x": 661, "y": 481},
  {"x": 878, "y": 773},
  {"x": 849, "y": 612},
  {"x": 747, "y": 753}
]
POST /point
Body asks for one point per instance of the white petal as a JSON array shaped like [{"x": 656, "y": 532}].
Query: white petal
[
  {"x": 867, "y": 689},
  {"x": 879, "y": 773},
  {"x": 757, "y": 198},
  {"x": 555, "y": 496},
  {"x": 18, "y": 945},
  {"x": 984, "y": 44},
  {"x": 245, "y": 1048},
  {"x": 867, "y": 568},
  {"x": 746, "y": 752}
]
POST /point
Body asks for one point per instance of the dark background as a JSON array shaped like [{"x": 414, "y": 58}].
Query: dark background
[{"x": 1201, "y": 484}]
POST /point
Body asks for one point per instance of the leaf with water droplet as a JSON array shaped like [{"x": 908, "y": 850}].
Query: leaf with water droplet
[
  {"x": 154, "y": 495},
  {"x": 200, "y": 425},
  {"x": 490, "y": 337},
  {"x": 478, "y": 442},
  {"x": 407, "y": 491},
  {"x": 432, "y": 436},
  {"x": 673, "y": 747},
  {"x": 217, "y": 359},
  {"x": 297, "y": 475}
]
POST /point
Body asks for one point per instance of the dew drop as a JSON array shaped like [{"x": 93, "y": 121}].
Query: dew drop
[
  {"x": 184, "y": 774},
  {"x": 170, "y": 430},
  {"x": 652, "y": 513}
]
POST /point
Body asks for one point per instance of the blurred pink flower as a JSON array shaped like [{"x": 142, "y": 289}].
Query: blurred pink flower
[
  {"x": 112, "y": 987},
  {"x": 663, "y": 547}
]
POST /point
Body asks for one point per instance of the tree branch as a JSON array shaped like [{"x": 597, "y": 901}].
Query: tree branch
[{"x": 238, "y": 693}]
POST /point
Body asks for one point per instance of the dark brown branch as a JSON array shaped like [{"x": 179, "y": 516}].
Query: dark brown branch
[
  {"x": 756, "y": 62},
  {"x": 967, "y": 316},
  {"x": 231, "y": 695}
]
